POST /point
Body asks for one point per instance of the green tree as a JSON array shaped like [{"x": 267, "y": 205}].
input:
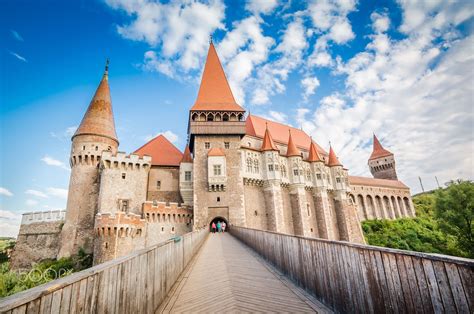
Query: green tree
[{"x": 454, "y": 211}]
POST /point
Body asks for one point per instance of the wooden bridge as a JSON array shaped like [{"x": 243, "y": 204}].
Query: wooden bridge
[{"x": 258, "y": 271}]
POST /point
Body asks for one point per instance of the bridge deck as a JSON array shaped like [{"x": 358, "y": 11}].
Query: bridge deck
[{"x": 226, "y": 276}]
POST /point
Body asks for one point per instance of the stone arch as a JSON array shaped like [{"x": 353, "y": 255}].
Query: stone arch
[
  {"x": 361, "y": 206},
  {"x": 388, "y": 208},
  {"x": 403, "y": 210},
  {"x": 370, "y": 207},
  {"x": 210, "y": 117},
  {"x": 218, "y": 117},
  {"x": 216, "y": 219},
  {"x": 225, "y": 117},
  {"x": 202, "y": 117},
  {"x": 407, "y": 206},
  {"x": 395, "y": 207},
  {"x": 379, "y": 208},
  {"x": 351, "y": 196},
  {"x": 194, "y": 116}
]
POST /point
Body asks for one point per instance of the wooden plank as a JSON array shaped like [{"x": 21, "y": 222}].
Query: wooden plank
[
  {"x": 467, "y": 277},
  {"x": 433, "y": 286},
  {"x": 66, "y": 299},
  {"x": 20, "y": 310},
  {"x": 413, "y": 284},
  {"x": 392, "y": 293},
  {"x": 56, "y": 302},
  {"x": 33, "y": 307},
  {"x": 405, "y": 285},
  {"x": 374, "y": 288},
  {"x": 422, "y": 285},
  {"x": 444, "y": 287},
  {"x": 45, "y": 306},
  {"x": 457, "y": 288}
]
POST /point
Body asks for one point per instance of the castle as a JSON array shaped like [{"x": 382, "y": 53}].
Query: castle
[{"x": 238, "y": 168}]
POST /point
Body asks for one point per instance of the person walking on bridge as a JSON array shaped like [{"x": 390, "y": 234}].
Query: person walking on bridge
[
  {"x": 213, "y": 227},
  {"x": 223, "y": 226},
  {"x": 219, "y": 226}
]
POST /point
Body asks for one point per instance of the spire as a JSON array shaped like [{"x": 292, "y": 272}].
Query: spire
[
  {"x": 214, "y": 91},
  {"x": 187, "y": 155},
  {"x": 268, "y": 143},
  {"x": 99, "y": 117},
  {"x": 313, "y": 153},
  {"x": 333, "y": 161},
  {"x": 292, "y": 149},
  {"x": 378, "y": 150}
]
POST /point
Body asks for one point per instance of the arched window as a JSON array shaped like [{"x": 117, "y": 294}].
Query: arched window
[
  {"x": 255, "y": 166},
  {"x": 249, "y": 165},
  {"x": 283, "y": 171}
]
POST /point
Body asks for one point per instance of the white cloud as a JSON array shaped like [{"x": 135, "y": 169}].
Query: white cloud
[
  {"x": 36, "y": 193},
  {"x": 57, "y": 192},
  {"x": 309, "y": 85},
  {"x": 65, "y": 134},
  {"x": 6, "y": 192},
  {"x": 16, "y": 55},
  {"x": 171, "y": 136},
  {"x": 277, "y": 116},
  {"x": 181, "y": 29},
  {"x": 261, "y": 6},
  {"x": 16, "y": 35},
  {"x": 415, "y": 93},
  {"x": 30, "y": 202},
  {"x": 9, "y": 223},
  {"x": 380, "y": 22},
  {"x": 54, "y": 162}
]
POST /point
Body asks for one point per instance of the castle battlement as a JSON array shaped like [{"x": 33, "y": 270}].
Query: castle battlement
[
  {"x": 123, "y": 161},
  {"x": 121, "y": 224},
  {"x": 161, "y": 212},
  {"x": 43, "y": 216}
]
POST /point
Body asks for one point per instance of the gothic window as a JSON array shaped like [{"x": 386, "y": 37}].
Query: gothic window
[
  {"x": 210, "y": 117},
  {"x": 225, "y": 117},
  {"x": 318, "y": 176},
  {"x": 308, "y": 175},
  {"x": 276, "y": 167},
  {"x": 226, "y": 145},
  {"x": 255, "y": 166},
  {"x": 207, "y": 145},
  {"x": 249, "y": 165},
  {"x": 83, "y": 147},
  {"x": 187, "y": 176},
  {"x": 301, "y": 172},
  {"x": 217, "y": 170},
  {"x": 123, "y": 205},
  {"x": 270, "y": 167},
  {"x": 338, "y": 180},
  {"x": 123, "y": 175},
  {"x": 283, "y": 170},
  {"x": 249, "y": 145},
  {"x": 295, "y": 172}
]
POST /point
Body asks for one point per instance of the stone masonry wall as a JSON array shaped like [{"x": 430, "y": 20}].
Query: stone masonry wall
[
  {"x": 255, "y": 210},
  {"x": 168, "y": 191}
]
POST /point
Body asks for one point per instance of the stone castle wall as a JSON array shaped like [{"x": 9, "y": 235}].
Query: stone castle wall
[
  {"x": 168, "y": 189},
  {"x": 38, "y": 239}
]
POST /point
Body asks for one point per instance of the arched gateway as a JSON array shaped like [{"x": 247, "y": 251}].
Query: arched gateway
[{"x": 216, "y": 220}]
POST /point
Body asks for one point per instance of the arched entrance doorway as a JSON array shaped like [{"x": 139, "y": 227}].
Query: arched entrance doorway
[{"x": 219, "y": 219}]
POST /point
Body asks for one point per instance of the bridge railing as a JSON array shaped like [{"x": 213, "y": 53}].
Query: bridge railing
[
  {"x": 353, "y": 278},
  {"x": 136, "y": 283}
]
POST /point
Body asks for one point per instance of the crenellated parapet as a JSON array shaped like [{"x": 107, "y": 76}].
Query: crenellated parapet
[
  {"x": 125, "y": 162},
  {"x": 43, "y": 216},
  {"x": 119, "y": 224},
  {"x": 167, "y": 212}
]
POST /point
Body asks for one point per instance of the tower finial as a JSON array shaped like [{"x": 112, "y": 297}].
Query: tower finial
[
  {"x": 106, "y": 72},
  {"x": 210, "y": 39}
]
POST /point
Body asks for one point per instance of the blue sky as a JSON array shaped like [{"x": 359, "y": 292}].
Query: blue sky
[{"x": 340, "y": 69}]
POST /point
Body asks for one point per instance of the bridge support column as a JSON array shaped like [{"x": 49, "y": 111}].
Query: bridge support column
[
  {"x": 274, "y": 205},
  {"x": 299, "y": 208},
  {"x": 323, "y": 214},
  {"x": 347, "y": 220}
]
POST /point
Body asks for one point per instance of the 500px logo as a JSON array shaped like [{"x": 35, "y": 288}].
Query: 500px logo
[{"x": 36, "y": 275}]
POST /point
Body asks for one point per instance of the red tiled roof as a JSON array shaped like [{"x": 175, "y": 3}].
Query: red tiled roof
[
  {"x": 354, "y": 180},
  {"x": 268, "y": 143},
  {"x": 313, "y": 153},
  {"x": 333, "y": 161},
  {"x": 162, "y": 152},
  {"x": 187, "y": 155},
  {"x": 255, "y": 126},
  {"x": 99, "y": 118},
  {"x": 378, "y": 150},
  {"x": 214, "y": 91},
  {"x": 216, "y": 152},
  {"x": 292, "y": 149}
]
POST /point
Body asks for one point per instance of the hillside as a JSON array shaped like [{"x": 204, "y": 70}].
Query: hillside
[{"x": 434, "y": 228}]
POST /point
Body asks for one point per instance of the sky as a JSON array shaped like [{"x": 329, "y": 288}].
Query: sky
[{"x": 339, "y": 69}]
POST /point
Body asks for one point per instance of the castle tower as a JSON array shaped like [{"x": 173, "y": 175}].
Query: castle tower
[
  {"x": 382, "y": 162},
  {"x": 216, "y": 122},
  {"x": 272, "y": 185},
  {"x": 298, "y": 200},
  {"x": 346, "y": 216},
  {"x": 186, "y": 177},
  {"x": 320, "y": 193},
  {"x": 95, "y": 134}
]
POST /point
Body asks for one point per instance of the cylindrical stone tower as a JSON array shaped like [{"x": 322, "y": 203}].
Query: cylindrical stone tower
[{"x": 95, "y": 134}]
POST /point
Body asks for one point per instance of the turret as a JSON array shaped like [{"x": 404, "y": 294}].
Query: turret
[
  {"x": 271, "y": 157},
  {"x": 295, "y": 161},
  {"x": 95, "y": 134},
  {"x": 318, "y": 168},
  {"x": 382, "y": 162},
  {"x": 338, "y": 173},
  {"x": 186, "y": 177}
]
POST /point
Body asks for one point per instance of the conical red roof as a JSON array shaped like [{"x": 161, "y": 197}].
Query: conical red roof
[
  {"x": 378, "y": 150},
  {"x": 292, "y": 149},
  {"x": 333, "y": 161},
  {"x": 99, "y": 117},
  {"x": 187, "y": 155},
  {"x": 313, "y": 153},
  {"x": 268, "y": 144},
  {"x": 162, "y": 152},
  {"x": 214, "y": 92}
]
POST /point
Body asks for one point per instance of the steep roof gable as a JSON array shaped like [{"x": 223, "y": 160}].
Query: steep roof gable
[
  {"x": 313, "y": 153},
  {"x": 378, "y": 150},
  {"x": 268, "y": 143},
  {"x": 333, "y": 161},
  {"x": 214, "y": 91},
  {"x": 292, "y": 149},
  {"x": 162, "y": 152}
]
